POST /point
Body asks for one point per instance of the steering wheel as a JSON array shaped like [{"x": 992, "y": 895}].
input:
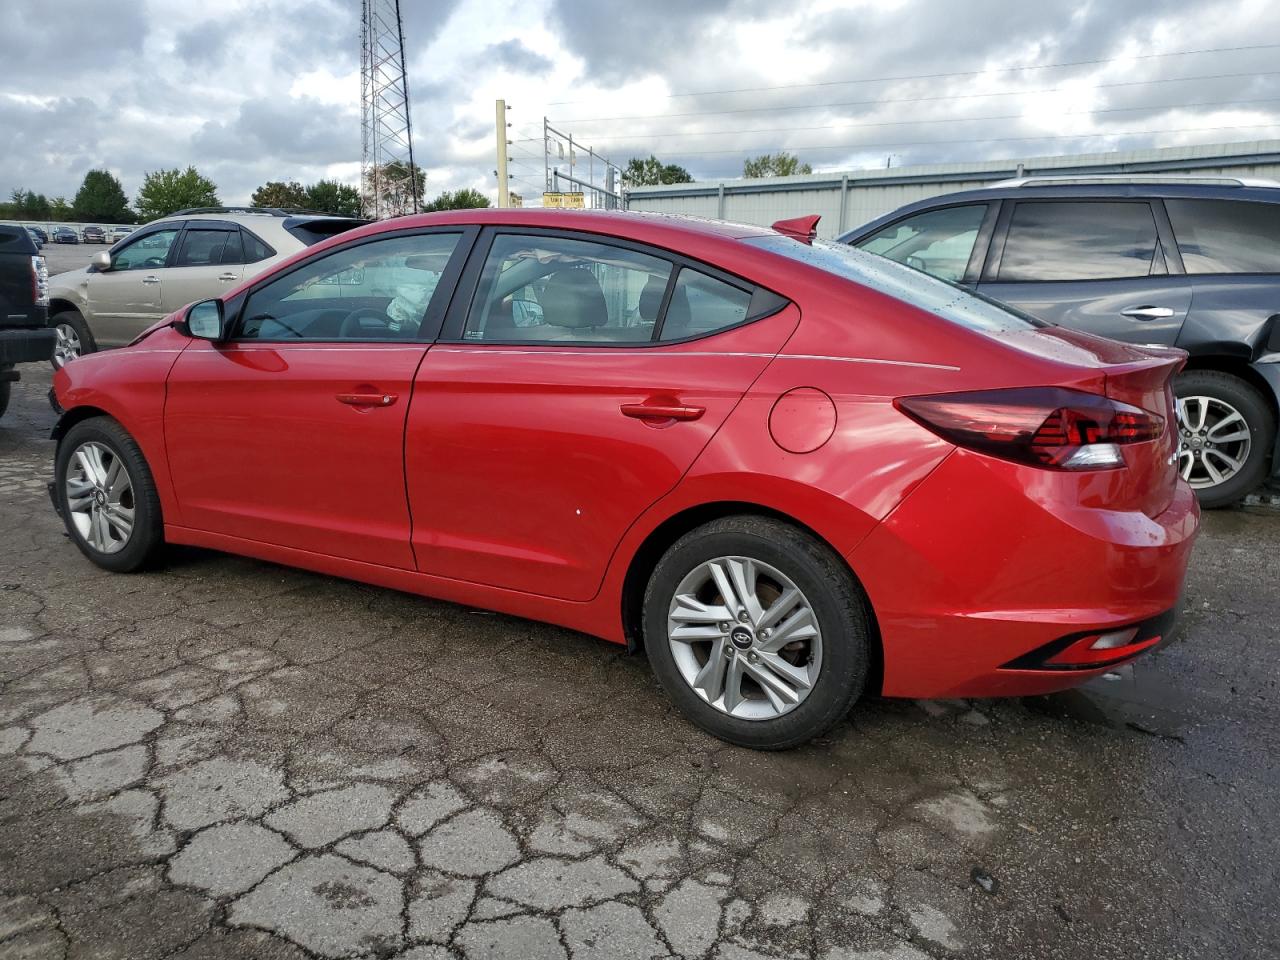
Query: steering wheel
[{"x": 352, "y": 326}]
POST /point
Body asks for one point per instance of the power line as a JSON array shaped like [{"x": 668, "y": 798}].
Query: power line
[
  {"x": 963, "y": 73},
  {"x": 901, "y": 123},
  {"x": 680, "y": 154},
  {"x": 951, "y": 96}
]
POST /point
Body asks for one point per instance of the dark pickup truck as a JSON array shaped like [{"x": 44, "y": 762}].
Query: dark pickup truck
[{"x": 25, "y": 336}]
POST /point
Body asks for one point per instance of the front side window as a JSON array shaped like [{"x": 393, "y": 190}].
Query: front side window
[
  {"x": 145, "y": 253},
  {"x": 379, "y": 290},
  {"x": 202, "y": 248},
  {"x": 1226, "y": 236},
  {"x": 535, "y": 289},
  {"x": 1085, "y": 240},
  {"x": 939, "y": 242}
]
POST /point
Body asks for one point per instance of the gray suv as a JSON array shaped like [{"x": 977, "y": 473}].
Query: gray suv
[{"x": 1193, "y": 263}]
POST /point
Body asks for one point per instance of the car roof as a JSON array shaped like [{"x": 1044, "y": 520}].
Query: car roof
[
  {"x": 620, "y": 222},
  {"x": 1102, "y": 188}
]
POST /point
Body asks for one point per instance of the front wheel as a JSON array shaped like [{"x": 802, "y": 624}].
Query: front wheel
[
  {"x": 107, "y": 496},
  {"x": 1226, "y": 431},
  {"x": 757, "y": 631},
  {"x": 74, "y": 339}
]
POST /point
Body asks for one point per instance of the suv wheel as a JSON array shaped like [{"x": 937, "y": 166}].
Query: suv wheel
[
  {"x": 757, "y": 631},
  {"x": 74, "y": 338},
  {"x": 1225, "y": 434}
]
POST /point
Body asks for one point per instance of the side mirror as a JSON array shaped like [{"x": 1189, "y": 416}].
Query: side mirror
[
  {"x": 101, "y": 261},
  {"x": 204, "y": 320}
]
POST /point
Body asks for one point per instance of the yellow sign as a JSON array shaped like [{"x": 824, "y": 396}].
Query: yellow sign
[{"x": 563, "y": 201}]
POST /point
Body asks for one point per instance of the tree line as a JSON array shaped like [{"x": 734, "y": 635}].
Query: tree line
[{"x": 650, "y": 171}]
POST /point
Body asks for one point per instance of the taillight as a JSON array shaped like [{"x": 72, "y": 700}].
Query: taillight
[
  {"x": 1044, "y": 426},
  {"x": 39, "y": 282}
]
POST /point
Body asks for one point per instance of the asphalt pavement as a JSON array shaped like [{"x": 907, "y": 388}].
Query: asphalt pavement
[{"x": 226, "y": 758}]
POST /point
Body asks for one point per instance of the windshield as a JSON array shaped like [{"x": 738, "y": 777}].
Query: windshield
[{"x": 946, "y": 300}]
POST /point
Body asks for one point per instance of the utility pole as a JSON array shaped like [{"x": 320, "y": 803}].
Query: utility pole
[{"x": 500, "y": 116}]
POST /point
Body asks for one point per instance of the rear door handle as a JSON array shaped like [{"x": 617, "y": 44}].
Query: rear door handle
[
  {"x": 150, "y": 279},
  {"x": 1148, "y": 313},
  {"x": 228, "y": 276},
  {"x": 662, "y": 411},
  {"x": 367, "y": 399}
]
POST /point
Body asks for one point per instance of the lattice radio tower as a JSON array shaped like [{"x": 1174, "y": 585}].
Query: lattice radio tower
[{"x": 384, "y": 111}]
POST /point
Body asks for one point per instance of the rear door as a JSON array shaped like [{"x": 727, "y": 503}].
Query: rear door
[
  {"x": 571, "y": 391},
  {"x": 128, "y": 298},
  {"x": 208, "y": 262},
  {"x": 1105, "y": 266}
]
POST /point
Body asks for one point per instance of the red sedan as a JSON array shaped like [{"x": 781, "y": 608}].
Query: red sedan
[{"x": 792, "y": 471}]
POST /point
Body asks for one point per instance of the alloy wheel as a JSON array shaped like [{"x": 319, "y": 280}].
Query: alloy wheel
[
  {"x": 1213, "y": 441},
  {"x": 67, "y": 344},
  {"x": 745, "y": 638},
  {"x": 100, "y": 497}
]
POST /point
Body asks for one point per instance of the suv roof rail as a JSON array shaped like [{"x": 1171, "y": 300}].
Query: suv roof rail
[
  {"x": 268, "y": 211},
  {"x": 1210, "y": 180}
]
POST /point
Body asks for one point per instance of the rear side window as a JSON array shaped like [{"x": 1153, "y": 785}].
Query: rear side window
[
  {"x": 1090, "y": 240},
  {"x": 201, "y": 248},
  {"x": 939, "y": 242},
  {"x": 255, "y": 249},
  {"x": 1226, "y": 236},
  {"x": 701, "y": 305}
]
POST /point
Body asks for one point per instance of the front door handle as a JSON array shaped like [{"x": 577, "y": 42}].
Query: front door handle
[
  {"x": 228, "y": 276},
  {"x": 150, "y": 279},
  {"x": 1148, "y": 313},
  {"x": 662, "y": 411},
  {"x": 367, "y": 399}
]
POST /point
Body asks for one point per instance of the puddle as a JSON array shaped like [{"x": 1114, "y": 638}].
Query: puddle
[{"x": 1125, "y": 700}]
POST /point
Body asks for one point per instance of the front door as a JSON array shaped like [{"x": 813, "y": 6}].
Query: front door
[
  {"x": 568, "y": 402},
  {"x": 1101, "y": 266},
  {"x": 126, "y": 299},
  {"x": 292, "y": 432}
]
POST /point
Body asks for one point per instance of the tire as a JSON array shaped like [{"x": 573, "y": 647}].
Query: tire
[
  {"x": 1225, "y": 400},
  {"x": 107, "y": 440},
  {"x": 836, "y": 664},
  {"x": 74, "y": 338},
  {"x": 6, "y": 390}
]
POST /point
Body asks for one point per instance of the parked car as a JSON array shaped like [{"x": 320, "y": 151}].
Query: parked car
[
  {"x": 24, "y": 289},
  {"x": 792, "y": 471},
  {"x": 65, "y": 235},
  {"x": 36, "y": 237},
  {"x": 1153, "y": 260},
  {"x": 93, "y": 235},
  {"x": 167, "y": 264},
  {"x": 119, "y": 233}
]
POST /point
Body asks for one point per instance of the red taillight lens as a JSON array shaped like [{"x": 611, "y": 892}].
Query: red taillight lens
[{"x": 1045, "y": 426}]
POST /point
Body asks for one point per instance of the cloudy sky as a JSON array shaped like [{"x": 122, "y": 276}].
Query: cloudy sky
[{"x": 254, "y": 91}]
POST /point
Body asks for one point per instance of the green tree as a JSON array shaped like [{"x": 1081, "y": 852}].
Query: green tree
[
  {"x": 59, "y": 209},
  {"x": 330, "y": 196},
  {"x": 650, "y": 170},
  {"x": 25, "y": 205},
  {"x": 166, "y": 191},
  {"x": 780, "y": 164},
  {"x": 464, "y": 199},
  {"x": 101, "y": 197},
  {"x": 395, "y": 185},
  {"x": 277, "y": 193}
]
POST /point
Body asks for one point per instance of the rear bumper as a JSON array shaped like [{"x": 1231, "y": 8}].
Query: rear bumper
[
  {"x": 26, "y": 344},
  {"x": 976, "y": 583}
]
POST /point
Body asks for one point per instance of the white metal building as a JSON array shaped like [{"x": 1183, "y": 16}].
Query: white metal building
[{"x": 846, "y": 200}]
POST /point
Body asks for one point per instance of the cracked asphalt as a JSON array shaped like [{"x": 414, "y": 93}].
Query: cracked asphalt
[{"x": 225, "y": 758}]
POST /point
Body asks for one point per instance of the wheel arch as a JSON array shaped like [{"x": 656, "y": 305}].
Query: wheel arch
[
  {"x": 1237, "y": 367},
  {"x": 666, "y": 533},
  {"x": 76, "y": 415},
  {"x": 59, "y": 305}
]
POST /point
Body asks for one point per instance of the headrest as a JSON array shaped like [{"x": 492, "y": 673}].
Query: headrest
[
  {"x": 573, "y": 298},
  {"x": 651, "y": 298}
]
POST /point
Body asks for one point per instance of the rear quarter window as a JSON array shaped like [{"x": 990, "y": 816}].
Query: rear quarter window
[{"x": 1226, "y": 236}]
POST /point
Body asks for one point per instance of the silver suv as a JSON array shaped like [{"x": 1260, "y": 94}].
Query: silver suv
[{"x": 193, "y": 255}]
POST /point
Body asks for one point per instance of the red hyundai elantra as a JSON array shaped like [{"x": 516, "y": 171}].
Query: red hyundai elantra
[{"x": 794, "y": 472}]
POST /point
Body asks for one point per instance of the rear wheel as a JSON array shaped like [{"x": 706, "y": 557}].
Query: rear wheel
[
  {"x": 757, "y": 631},
  {"x": 6, "y": 389},
  {"x": 74, "y": 338},
  {"x": 1226, "y": 432},
  {"x": 107, "y": 496}
]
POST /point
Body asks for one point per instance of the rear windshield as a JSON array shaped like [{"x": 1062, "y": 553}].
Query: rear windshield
[
  {"x": 311, "y": 231},
  {"x": 946, "y": 300}
]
